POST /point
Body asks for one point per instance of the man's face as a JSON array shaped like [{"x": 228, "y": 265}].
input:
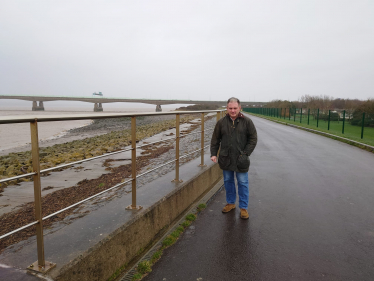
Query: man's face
[{"x": 233, "y": 108}]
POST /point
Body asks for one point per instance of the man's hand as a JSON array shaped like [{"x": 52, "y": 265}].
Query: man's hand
[{"x": 214, "y": 159}]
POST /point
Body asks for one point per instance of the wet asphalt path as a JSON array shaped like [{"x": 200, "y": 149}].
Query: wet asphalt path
[{"x": 311, "y": 217}]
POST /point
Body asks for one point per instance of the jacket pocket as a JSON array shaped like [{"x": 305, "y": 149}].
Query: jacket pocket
[
  {"x": 224, "y": 160},
  {"x": 243, "y": 162}
]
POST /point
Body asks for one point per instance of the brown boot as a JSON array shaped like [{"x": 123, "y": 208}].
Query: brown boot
[
  {"x": 244, "y": 214},
  {"x": 228, "y": 208}
]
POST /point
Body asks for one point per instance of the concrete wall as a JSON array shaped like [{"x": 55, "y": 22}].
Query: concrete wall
[{"x": 122, "y": 246}]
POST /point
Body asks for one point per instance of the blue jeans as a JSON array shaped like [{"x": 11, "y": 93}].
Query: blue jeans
[{"x": 243, "y": 188}]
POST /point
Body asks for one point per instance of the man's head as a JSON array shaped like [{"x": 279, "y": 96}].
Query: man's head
[{"x": 233, "y": 107}]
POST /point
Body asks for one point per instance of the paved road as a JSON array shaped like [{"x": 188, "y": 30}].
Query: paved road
[{"x": 311, "y": 217}]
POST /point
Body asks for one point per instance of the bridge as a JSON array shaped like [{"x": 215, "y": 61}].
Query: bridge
[{"x": 38, "y": 101}]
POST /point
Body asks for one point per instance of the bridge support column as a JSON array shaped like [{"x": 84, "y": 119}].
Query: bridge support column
[
  {"x": 36, "y": 107},
  {"x": 158, "y": 108},
  {"x": 98, "y": 107}
]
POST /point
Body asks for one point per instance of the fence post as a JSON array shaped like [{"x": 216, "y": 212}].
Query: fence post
[
  {"x": 343, "y": 121},
  {"x": 317, "y": 116},
  {"x": 289, "y": 113},
  {"x": 328, "y": 122},
  {"x": 294, "y": 115},
  {"x": 133, "y": 205},
  {"x": 177, "y": 135},
  {"x": 301, "y": 114},
  {"x": 308, "y": 115},
  {"x": 202, "y": 141},
  {"x": 362, "y": 127},
  {"x": 40, "y": 265}
]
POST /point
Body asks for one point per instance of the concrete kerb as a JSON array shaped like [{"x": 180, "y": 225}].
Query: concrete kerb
[
  {"x": 158, "y": 245},
  {"x": 331, "y": 136},
  {"x": 129, "y": 241}
]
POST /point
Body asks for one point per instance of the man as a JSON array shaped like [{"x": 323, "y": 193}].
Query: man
[{"x": 236, "y": 137}]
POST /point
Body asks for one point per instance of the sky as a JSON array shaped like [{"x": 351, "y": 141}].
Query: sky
[{"x": 188, "y": 50}]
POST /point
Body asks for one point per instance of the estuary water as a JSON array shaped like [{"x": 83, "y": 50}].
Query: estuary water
[{"x": 17, "y": 136}]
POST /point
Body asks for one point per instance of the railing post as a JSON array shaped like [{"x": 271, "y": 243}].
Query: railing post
[
  {"x": 133, "y": 205},
  {"x": 328, "y": 123},
  {"x": 343, "y": 121},
  {"x": 41, "y": 265},
  {"x": 177, "y": 135},
  {"x": 202, "y": 141},
  {"x": 317, "y": 116},
  {"x": 301, "y": 115}
]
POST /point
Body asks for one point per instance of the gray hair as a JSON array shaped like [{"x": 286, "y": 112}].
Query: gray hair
[{"x": 233, "y": 100}]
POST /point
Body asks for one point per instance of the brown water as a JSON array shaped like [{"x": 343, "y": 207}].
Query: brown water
[{"x": 13, "y": 136}]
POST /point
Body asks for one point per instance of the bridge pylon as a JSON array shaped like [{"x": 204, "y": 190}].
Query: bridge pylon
[
  {"x": 98, "y": 107},
  {"x": 36, "y": 107}
]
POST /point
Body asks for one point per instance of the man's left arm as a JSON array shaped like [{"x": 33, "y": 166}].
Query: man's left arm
[{"x": 251, "y": 138}]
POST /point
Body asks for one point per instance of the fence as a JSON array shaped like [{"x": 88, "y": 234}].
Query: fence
[
  {"x": 43, "y": 266},
  {"x": 325, "y": 120}
]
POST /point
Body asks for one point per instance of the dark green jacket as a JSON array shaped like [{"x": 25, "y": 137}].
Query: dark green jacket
[{"x": 236, "y": 141}]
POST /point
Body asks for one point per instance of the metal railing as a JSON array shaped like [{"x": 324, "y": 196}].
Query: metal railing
[{"x": 43, "y": 266}]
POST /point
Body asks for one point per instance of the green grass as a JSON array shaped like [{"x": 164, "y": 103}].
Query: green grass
[
  {"x": 350, "y": 132},
  {"x": 191, "y": 217},
  {"x": 137, "y": 276},
  {"x": 201, "y": 207},
  {"x": 168, "y": 241},
  {"x": 186, "y": 224},
  {"x": 144, "y": 267},
  {"x": 156, "y": 256}
]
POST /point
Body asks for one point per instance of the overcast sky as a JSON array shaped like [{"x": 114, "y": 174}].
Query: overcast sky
[{"x": 204, "y": 50}]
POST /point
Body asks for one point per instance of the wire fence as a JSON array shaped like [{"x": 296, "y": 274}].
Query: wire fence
[{"x": 355, "y": 126}]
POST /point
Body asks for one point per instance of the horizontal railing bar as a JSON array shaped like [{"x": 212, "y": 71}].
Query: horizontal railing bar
[
  {"x": 156, "y": 142},
  {"x": 156, "y": 168},
  {"x": 184, "y": 156},
  {"x": 84, "y": 160},
  {"x": 81, "y": 161},
  {"x": 18, "y": 229},
  {"x": 184, "y": 135},
  {"x": 84, "y": 200},
  {"x": 18, "y": 177},
  {"x": 49, "y": 118}
]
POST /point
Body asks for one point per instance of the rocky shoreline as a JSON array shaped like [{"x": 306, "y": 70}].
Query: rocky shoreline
[{"x": 96, "y": 128}]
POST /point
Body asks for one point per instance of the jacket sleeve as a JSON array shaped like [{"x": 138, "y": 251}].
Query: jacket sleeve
[
  {"x": 251, "y": 138},
  {"x": 216, "y": 139}
]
